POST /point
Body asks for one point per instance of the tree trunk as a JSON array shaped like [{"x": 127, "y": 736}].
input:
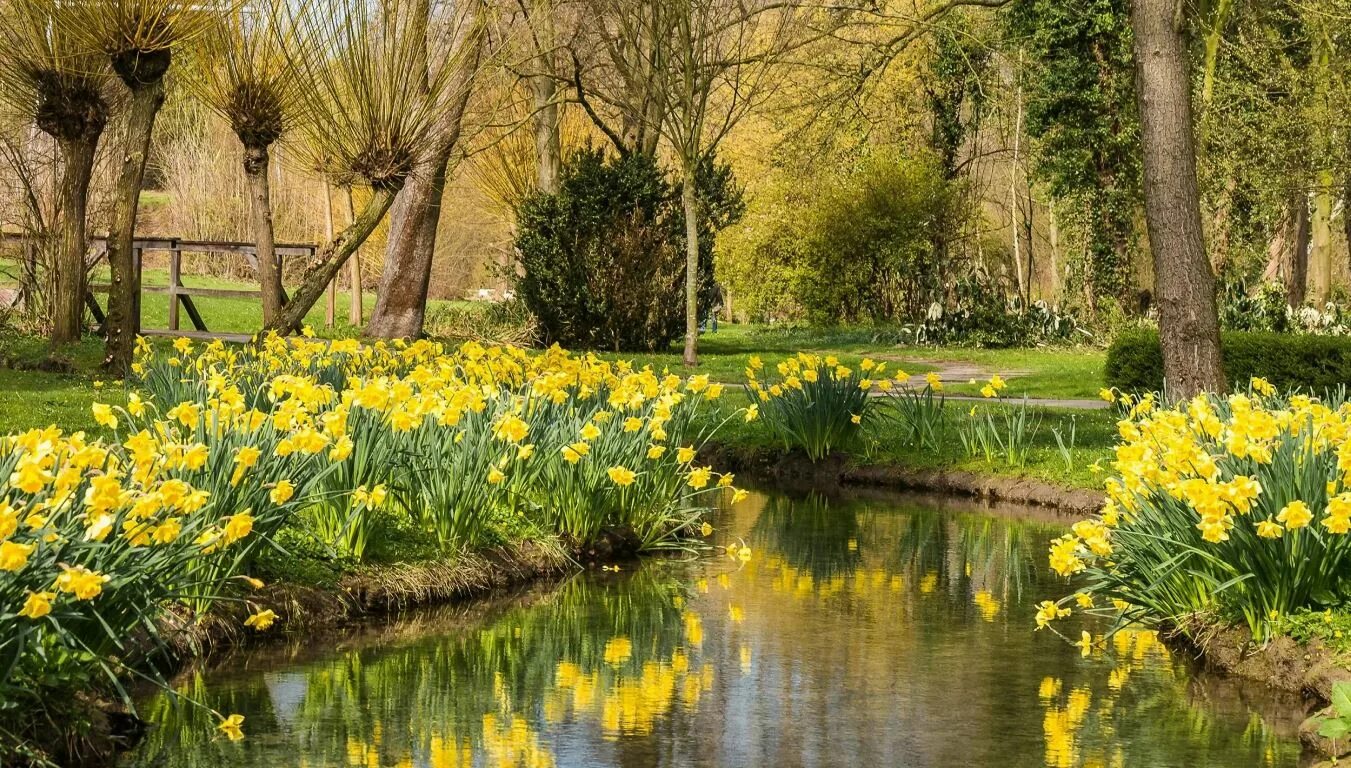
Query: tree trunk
[
  {"x": 256, "y": 164},
  {"x": 329, "y": 261},
  {"x": 1184, "y": 285},
  {"x": 66, "y": 295},
  {"x": 548, "y": 141},
  {"x": 124, "y": 322},
  {"x": 691, "y": 202},
  {"x": 354, "y": 300},
  {"x": 1297, "y": 274},
  {"x": 1055, "y": 251},
  {"x": 1346, "y": 216},
  {"x": 401, "y": 300},
  {"x": 1320, "y": 238}
]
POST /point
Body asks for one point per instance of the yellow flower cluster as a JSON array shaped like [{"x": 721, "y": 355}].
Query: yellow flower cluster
[
  {"x": 1246, "y": 475},
  {"x": 805, "y": 368},
  {"x": 521, "y": 429}
]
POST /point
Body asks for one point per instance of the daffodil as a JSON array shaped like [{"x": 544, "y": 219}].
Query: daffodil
[
  {"x": 14, "y": 556},
  {"x": 621, "y": 476},
  {"x": 261, "y": 620},
  {"x": 232, "y": 727},
  {"x": 37, "y": 604}
]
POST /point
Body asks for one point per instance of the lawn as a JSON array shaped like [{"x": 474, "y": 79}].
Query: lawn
[
  {"x": 1051, "y": 372},
  {"x": 244, "y": 315}
]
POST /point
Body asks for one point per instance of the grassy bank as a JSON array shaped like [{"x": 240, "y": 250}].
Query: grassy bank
[{"x": 1077, "y": 466}]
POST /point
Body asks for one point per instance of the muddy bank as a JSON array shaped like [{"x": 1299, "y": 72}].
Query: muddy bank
[
  {"x": 840, "y": 470},
  {"x": 1308, "y": 670},
  {"x": 371, "y": 592}
]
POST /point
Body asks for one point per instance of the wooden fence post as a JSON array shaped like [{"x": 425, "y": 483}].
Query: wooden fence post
[{"x": 175, "y": 282}]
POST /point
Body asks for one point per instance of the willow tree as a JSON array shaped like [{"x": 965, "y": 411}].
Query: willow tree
[
  {"x": 48, "y": 77},
  {"x": 401, "y": 301},
  {"x": 139, "y": 38},
  {"x": 251, "y": 84},
  {"x": 362, "y": 121}
]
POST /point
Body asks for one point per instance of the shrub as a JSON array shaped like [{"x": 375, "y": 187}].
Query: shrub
[
  {"x": 1268, "y": 309},
  {"x": 1237, "y": 508},
  {"x": 1315, "y": 364},
  {"x": 979, "y": 313},
  {"x": 603, "y": 259},
  {"x": 869, "y": 247}
]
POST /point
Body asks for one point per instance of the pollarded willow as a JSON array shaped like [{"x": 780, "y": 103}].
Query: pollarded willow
[{"x": 362, "y": 120}]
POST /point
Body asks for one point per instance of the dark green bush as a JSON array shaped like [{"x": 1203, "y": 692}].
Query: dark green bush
[
  {"x": 602, "y": 261},
  {"x": 1306, "y": 362}
]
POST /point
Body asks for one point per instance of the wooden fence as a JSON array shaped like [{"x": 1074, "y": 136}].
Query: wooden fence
[{"x": 180, "y": 296}]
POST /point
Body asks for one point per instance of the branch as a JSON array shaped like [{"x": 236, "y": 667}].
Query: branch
[{"x": 615, "y": 138}]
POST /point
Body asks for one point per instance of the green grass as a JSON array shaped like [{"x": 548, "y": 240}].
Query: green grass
[
  {"x": 1095, "y": 440},
  {"x": 31, "y": 399},
  {"x": 1053, "y": 372},
  {"x": 244, "y": 315},
  {"x": 38, "y": 398}
]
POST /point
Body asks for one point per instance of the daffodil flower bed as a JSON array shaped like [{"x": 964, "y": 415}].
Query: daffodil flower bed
[
  {"x": 224, "y": 446},
  {"x": 815, "y": 403},
  {"x": 1232, "y": 508}
]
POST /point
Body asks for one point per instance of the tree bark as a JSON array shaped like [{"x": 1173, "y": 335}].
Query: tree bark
[
  {"x": 1320, "y": 238},
  {"x": 256, "y": 163},
  {"x": 548, "y": 141},
  {"x": 125, "y": 288},
  {"x": 68, "y": 284},
  {"x": 690, "y": 199},
  {"x": 1184, "y": 285},
  {"x": 1346, "y": 217},
  {"x": 355, "y": 306},
  {"x": 329, "y": 261},
  {"x": 401, "y": 299},
  {"x": 1297, "y": 273}
]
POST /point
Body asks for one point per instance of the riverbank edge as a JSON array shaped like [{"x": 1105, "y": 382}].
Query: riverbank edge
[
  {"x": 369, "y": 594},
  {"x": 1282, "y": 664},
  {"x": 840, "y": 470}
]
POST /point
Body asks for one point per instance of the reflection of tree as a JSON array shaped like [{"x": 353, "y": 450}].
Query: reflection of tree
[
  {"x": 622, "y": 639},
  {"x": 969, "y": 552},
  {"x": 813, "y": 653},
  {"x": 812, "y": 534}
]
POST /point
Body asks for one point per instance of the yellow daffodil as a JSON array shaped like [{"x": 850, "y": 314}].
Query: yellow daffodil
[
  {"x": 37, "y": 605},
  {"x": 621, "y": 476},
  {"x": 261, "y": 620}
]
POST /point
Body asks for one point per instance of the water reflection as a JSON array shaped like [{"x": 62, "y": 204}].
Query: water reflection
[{"x": 861, "y": 632}]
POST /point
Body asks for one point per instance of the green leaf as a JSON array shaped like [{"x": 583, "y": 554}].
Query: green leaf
[
  {"x": 1341, "y": 698},
  {"x": 1333, "y": 729}
]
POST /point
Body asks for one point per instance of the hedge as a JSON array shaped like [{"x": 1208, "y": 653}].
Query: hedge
[{"x": 1310, "y": 363}]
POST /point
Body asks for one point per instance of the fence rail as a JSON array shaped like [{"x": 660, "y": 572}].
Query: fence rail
[{"x": 180, "y": 296}]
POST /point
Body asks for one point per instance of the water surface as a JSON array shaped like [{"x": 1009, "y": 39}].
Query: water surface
[{"x": 865, "y": 631}]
